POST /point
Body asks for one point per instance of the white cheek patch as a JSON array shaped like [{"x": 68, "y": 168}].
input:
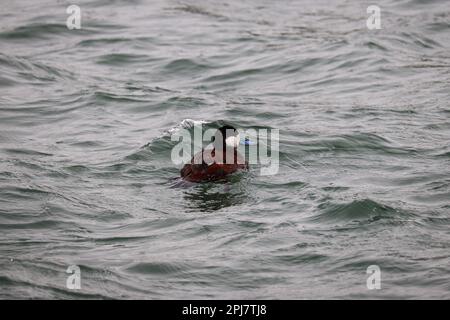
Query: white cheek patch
[{"x": 232, "y": 141}]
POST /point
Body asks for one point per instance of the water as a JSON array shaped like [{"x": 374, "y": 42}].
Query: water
[{"x": 86, "y": 177}]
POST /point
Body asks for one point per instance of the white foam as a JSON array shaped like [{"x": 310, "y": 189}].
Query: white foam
[{"x": 185, "y": 124}]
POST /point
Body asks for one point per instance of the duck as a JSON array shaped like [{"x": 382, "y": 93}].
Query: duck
[{"x": 217, "y": 161}]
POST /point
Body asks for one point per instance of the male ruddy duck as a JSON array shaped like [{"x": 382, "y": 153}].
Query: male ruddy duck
[{"x": 217, "y": 162}]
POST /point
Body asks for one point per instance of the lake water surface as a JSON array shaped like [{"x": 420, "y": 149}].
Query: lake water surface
[{"x": 86, "y": 176}]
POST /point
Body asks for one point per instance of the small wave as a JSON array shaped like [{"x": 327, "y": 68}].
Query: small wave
[
  {"x": 156, "y": 268},
  {"x": 38, "y": 31},
  {"x": 106, "y": 41},
  {"x": 27, "y": 69},
  {"x": 28, "y": 152},
  {"x": 180, "y": 66},
  {"x": 109, "y": 96},
  {"x": 445, "y": 154},
  {"x": 299, "y": 259},
  {"x": 43, "y": 224},
  {"x": 365, "y": 210},
  {"x": 119, "y": 59},
  {"x": 358, "y": 142},
  {"x": 194, "y": 9}
]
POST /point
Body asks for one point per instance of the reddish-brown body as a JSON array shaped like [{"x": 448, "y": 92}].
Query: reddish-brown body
[{"x": 214, "y": 171}]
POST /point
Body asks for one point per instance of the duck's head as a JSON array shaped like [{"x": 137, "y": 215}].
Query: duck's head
[{"x": 226, "y": 137}]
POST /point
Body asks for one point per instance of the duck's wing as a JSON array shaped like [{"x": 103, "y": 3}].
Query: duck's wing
[
  {"x": 196, "y": 165},
  {"x": 186, "y": 170}
]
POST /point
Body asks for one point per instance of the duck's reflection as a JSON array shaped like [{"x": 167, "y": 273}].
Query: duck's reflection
[{"x": 210, "y": 197}]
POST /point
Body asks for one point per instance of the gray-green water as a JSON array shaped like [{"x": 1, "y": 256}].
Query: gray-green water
[{"x": 86, "y": 177}]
